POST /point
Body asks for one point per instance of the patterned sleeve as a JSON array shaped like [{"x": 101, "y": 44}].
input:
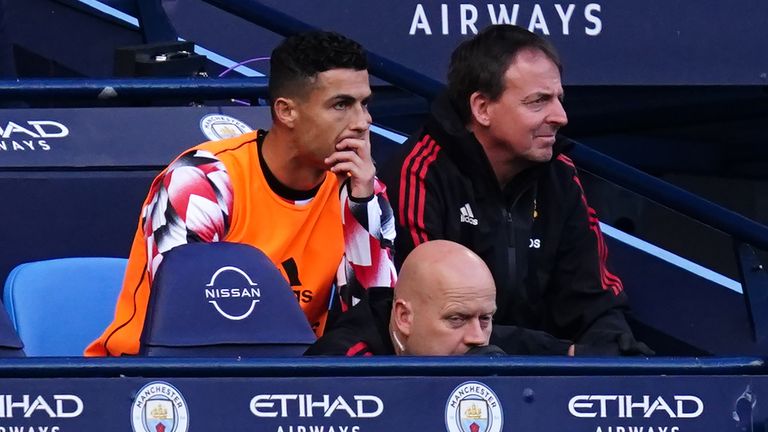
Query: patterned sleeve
[
  {"x": 190, "y": 202},
  {"x": 369, "y": 234}
]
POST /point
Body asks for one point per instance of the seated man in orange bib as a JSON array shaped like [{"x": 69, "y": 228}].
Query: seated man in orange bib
[{"x": 304, "y": 192}]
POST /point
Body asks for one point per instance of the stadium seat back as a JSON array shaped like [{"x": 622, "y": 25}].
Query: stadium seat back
[
  {"x": 223, "y": 299},
  {"x": 10, "y": 344},
  {"x": 59, "y": 306}
]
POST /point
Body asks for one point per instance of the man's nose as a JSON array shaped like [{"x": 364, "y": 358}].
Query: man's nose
[
  {"x": 475, "y": 334},
  {"x": 557, "y": 115},
  {"x": 362, "y": 119}
]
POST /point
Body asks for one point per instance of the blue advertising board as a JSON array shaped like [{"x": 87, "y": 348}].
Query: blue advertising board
[
  {"x": 383, "y": 404},
  {"x": 653, "y": 42},
  {"x": 115, "y": 137}
]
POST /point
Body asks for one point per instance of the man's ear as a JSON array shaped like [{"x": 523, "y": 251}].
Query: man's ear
[
  {"x": 402, "y": 317},
  {"x": 478, "y": 105},
  {"x": 285, "y": 111}
]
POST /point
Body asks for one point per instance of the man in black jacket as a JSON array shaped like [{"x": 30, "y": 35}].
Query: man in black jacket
[
  {"x": 487, "y": 171},
  {"x": 443, "y": 305}
]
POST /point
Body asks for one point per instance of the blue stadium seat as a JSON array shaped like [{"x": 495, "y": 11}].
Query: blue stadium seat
[
  {"x": 10, "y": 344},
  {"x": 59, "y": 306},
  {"x": 220, "y": 300}
]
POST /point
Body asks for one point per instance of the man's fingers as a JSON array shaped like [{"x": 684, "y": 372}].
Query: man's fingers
[
  {"x": 343, "y": 156},
  {"x": 352, "y": 159},
  {"x": 345, "y": 167},
  {"x": 354, "y": 144}
]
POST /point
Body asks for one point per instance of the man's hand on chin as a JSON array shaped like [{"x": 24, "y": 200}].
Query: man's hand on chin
[{"x": 352, "y": 159}]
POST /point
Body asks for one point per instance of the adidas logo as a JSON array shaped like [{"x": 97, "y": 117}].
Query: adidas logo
[{"x": 466, "y": 215}]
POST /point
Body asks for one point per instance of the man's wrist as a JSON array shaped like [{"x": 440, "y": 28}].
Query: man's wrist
[
  {"x": 361, "y": 200},
  {"x": 360, "y": 194}
]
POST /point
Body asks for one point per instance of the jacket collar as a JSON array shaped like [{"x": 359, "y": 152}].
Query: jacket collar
[{"x": 455, "y": 139}]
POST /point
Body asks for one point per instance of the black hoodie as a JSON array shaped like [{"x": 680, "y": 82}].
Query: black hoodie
[{"x": 538, "y": 236}]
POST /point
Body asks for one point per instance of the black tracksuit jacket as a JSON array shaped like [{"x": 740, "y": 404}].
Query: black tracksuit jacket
[{"x": 538, "y": 236}]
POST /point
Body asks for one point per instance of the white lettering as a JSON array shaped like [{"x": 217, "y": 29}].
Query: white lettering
[
  {"x": 682, "y": 413},
  {"x": 565, "y": 16},
  {"x": 468, "y": 18},
  {"x": 284, "y": 401},
  {"x": 256, "y": 404},
  {"x": 420, "y": 21},
  {"x": 39, "y": 404},
  {"x": 366, "y": 406},
  {"x": 362, "y": 413},
  {"x": 503, "y": 17},
  {"x": 339, "y": 404},
  {"x": 444, "y": 17},
  {"x": 61, "y": 400},
  {"x": 589, "y": 14},
  {"x": 638, "y": 429},
  {"x": 659, "y": 405},
  {"x": 12, "y": 127},
  {"x": 67, "y": 406},
  {"x": 312, "y": 405},
  {"x": 623, "y": 406},
  {"x": 575, "y": 404},
  {"x": 232, "y": 292},
  {"x": 537, "y": 20},
  {"x": 38, "y": 125},
  {"x": 644, "y": 405}
]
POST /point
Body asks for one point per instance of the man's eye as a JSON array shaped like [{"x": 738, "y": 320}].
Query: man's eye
[
  {"x": 485, "y": 320},
  {"x": 456, "y": 320},
  {"x": 340, "y": 105}
]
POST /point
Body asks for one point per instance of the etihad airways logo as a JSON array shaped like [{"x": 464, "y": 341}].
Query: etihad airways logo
[
  {"x": 58, "y": 406},
  {"x": 467, "y": 18},
  {"x": 307, "y": 405},
  {"x": 625, "y": 406},
  {"x": 30, "y": 135},
  {"x": 34, "y": 129}
]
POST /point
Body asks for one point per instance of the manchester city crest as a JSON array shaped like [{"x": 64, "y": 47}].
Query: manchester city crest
[
  {"x": 220, "y": 126},
  {"x": 159, "y": 407},
  {"x": 473, "y": 407}
]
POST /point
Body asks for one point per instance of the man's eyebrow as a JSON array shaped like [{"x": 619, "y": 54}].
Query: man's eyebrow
[
  {"x": 539, "y": 94},
  {"x": 342, "y": 97},
  {"x": 544, "y": 95}
]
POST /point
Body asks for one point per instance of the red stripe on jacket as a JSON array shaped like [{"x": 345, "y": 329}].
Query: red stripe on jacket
[
  {"x": 422, "y": 155},
  {"x": 607, "y": 279}
]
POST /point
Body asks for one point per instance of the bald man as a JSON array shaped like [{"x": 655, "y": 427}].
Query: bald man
[{"x": 443, "y": 303}]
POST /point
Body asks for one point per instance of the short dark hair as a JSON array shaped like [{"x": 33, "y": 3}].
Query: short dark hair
[
  {"x": 296, "y": 62},
  {"x": 479, "y": 63}
]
